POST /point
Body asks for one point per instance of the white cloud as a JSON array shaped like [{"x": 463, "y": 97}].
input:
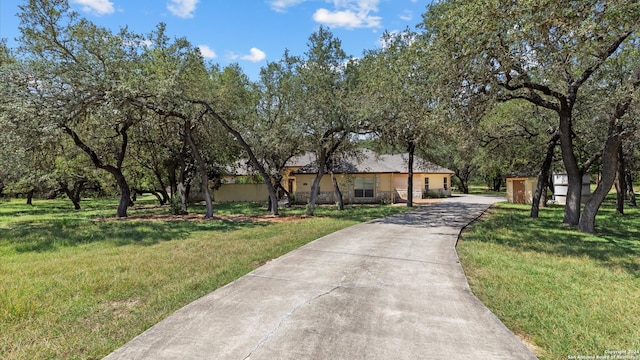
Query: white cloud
[
  {"x": 346, "y": 19},
  {"x": 406, "y": 15},
  {"x": 282, "y": 5},
  {"x": 99, "y": 7},
  {"x": 256, "y": 55},
  {"x": 350, "y": 14},
  {"x": 207, "y": 52},
  {"x": 183, "y": 8}
]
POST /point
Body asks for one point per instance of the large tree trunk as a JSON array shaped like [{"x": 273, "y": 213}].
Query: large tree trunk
[
  {"x": 315, "y": 187},
  {"x": 30, "y": 196},
  {"x": 273, "y": 197},
  {"x": 411, "y": 149},
  {"x": 574, "y": 175},
  {"x": 609, "y": 169},
  {"x": 202, "y": 168},
  {"x": 543, "y": 176},
  {"x": 272, "y": 202},
  {"x": 125, "y": 194}
]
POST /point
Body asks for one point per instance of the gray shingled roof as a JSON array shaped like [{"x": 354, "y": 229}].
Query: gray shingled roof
[{"x": 370, "y": 162}]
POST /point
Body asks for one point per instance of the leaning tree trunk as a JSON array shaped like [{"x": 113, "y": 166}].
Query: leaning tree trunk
[
  {"x": 116, "y": 171},
  {"x": 543, "y": 175},
  {"x": 252, "y": 157},
  {"x": 73, "y": 194},
  {"x": 315, "y": 187},
  {"x": 610, "y": 157},
  {"x": 411, "y": 149},
  {"x": 609, "y": 160},
  {"x": 609, "y": 167},
  {"x": 574, "y": 175},
  {"x": 202, "y": 168},
  {"x": 159, "y": 196}
]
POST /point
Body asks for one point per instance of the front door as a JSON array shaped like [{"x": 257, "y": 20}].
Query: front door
[{"x": 518, "y": 192}]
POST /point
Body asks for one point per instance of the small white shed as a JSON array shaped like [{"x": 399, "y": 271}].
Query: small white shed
[{"x": 561, "y": 186}]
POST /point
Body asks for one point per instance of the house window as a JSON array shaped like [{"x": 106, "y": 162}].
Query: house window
[
  {"x": 446, "y": 187},
  {"x": 426, "y": 184},
  {"x": 363, "y": 187}
]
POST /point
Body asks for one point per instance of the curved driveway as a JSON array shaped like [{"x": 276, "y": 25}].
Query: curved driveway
[{"x": 391, "y": 288}]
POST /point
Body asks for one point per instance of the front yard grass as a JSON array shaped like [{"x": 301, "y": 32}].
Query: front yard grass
[
  {"x": 78, "y": 284},
  {"x": 566, "y": 292}
]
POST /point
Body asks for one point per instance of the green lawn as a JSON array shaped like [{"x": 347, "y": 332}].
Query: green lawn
[
  {"x": 568, "y": 293},
  {"x": 77, "y": 285}
]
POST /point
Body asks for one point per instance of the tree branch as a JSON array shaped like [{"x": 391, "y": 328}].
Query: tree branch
[{"x": 600, "y": 59}]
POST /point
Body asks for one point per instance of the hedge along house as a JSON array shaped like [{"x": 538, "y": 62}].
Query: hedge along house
[{"x": 372, "y": 178}]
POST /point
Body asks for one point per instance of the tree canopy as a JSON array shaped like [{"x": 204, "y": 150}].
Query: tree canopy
[{"x": 483, "y": 95}]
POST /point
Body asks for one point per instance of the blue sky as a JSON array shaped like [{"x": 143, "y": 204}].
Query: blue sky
[{"x": 249, "y": 32}]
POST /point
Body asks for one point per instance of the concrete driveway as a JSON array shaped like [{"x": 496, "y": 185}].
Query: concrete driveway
[{"x": 391, "y": 288}]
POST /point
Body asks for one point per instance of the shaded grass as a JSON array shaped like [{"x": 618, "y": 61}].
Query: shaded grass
[
  {"x": 75, "y": 288},
  {"x": 567, "y": 292},
  {"x": 49, "y": 225}
]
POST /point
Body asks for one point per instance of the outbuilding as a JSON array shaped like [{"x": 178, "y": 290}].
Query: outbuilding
[
  {"x": 521, "y": 188},
  {"x": 561, "y": 187}
]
